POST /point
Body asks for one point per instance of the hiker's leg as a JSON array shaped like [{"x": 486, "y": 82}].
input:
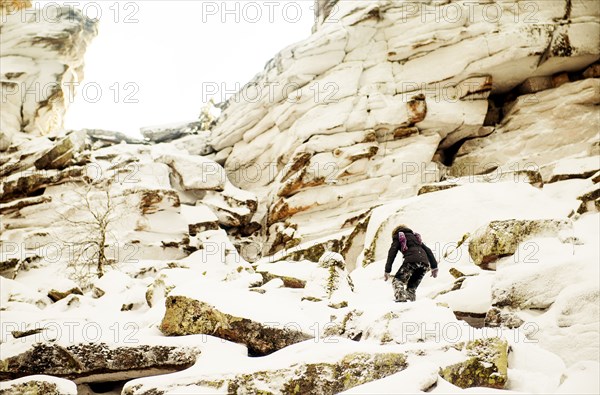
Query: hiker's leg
[
  {"x": 400, "y": 280},
  {"x": 413, "y": 282}
]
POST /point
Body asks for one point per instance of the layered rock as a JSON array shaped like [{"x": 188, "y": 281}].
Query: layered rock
[
  {"x": 522, "y": 142},
  {"x": 185, "y": 316},
  {"x": 42, "y": 63},
  {"x": 96, "y": 362},
  {"x": 38, "y": 384},
  {"x": 341, "y": 370},
  {"x": 367, "y": 100}
]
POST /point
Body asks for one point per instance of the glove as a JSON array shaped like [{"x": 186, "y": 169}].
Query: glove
[
  {"x": 386, "y": 276},
  {"x": 434, "y": 273}
]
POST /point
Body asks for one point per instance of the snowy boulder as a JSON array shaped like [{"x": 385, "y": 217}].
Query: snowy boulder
[
  {"x": 398, "y": 324},
  {"x": 574, "y": 168},
  {"x": 186, "y": 316},
  {"x": 194, "y": 173},
  {"x": 154, "y": 200},
  {"x": 569, "y": 327},
  {"x": 38, "y": 384},
  {"x": 293, "y": 274},
  {"x": 96, "y": 362},
  {"x": 330, "y": 281},
  {"x": 536, "y": 285},
  {"x": 57, "y": 295},
  {"x": 498, "y": 318},
  {"x": 321, "y": 378},
  {"x": 305, "y": 368},
  {"x": 498, "y": 239},
  {"x": 486, "y": 366}
]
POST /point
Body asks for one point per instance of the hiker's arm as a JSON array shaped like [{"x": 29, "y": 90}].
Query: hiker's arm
[
  {"x": 432, "y": 262},
  {"x": 392, "y": 255}
]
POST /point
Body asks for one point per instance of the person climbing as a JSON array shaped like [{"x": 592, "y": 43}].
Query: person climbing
[{"x": 418, "y": 259}]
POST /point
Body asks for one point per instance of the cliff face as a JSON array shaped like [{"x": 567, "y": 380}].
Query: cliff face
[
  {"x": 41, "y": 60},
  {"x": 369, "y": 107}
]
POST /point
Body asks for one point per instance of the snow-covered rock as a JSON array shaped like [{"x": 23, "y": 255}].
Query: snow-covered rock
[
  {"x": 568, "y": 327},
  {"x": 486, "y": 367},
  {"x": 195, "y": 172},
  {"x": 306, "y": 368},
  {"x": 39, "y": 384},
  {"x": 92, "y": 362},
  {"x": 362, "y": 105},
  {"x": 496, "y": 317},
  {"x": 42, "y": 50},
  {"x": 521, "y": 141},
  {"x": 498, "y": 239},
  {"x": 185, "y": 316},
  {"x": 292, "y": 274}
]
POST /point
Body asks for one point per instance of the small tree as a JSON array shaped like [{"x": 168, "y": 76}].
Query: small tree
[{"x": 89, "y": 223}]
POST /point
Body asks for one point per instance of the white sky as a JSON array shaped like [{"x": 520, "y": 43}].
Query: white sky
[{"x": 167, "y": 55}]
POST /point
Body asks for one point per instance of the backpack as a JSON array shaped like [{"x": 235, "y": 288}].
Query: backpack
[{"x": 402, "y": 239}]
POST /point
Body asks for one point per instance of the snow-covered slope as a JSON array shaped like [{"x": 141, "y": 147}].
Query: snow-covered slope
[{"x": 250, "y": 258}]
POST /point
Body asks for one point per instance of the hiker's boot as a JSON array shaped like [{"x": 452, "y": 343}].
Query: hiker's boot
[
  {"x": 399, "y": 292},
  {"x": 411, "y": 294}
]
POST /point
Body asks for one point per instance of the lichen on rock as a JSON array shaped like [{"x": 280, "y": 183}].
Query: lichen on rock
[
  {"x": 486, "y": 365},
  {"x": 498, "y": 239},
  {"x": 186, "y": 316}
]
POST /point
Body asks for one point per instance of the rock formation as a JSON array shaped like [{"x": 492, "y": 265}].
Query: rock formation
[{"x": 248, "y": 250}]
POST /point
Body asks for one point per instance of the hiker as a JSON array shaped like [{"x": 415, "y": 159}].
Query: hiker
[{"x": 418, "y": 259}]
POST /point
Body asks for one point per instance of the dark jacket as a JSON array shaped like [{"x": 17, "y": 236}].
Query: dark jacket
[{"x": 416, "y": 251}]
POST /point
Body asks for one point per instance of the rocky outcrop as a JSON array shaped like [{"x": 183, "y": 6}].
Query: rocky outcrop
[
  {"x": 93, "y": 362},
  {"x": 590, "y": 200},
  {"x": 498, "y": 239},
  {"x": 38, "y": 384},
  {"x": 363, "y": 105},
  {"x": 64, "y": 153},
  {"x": 486, "y": 366},
  {"x": 42, "y": 63},
  {"x": 317, "y": 378},
  {"x": 185, "y": 316},
  {"x": 523, "y": 143},
  {"x": 321, "y": 378}
]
